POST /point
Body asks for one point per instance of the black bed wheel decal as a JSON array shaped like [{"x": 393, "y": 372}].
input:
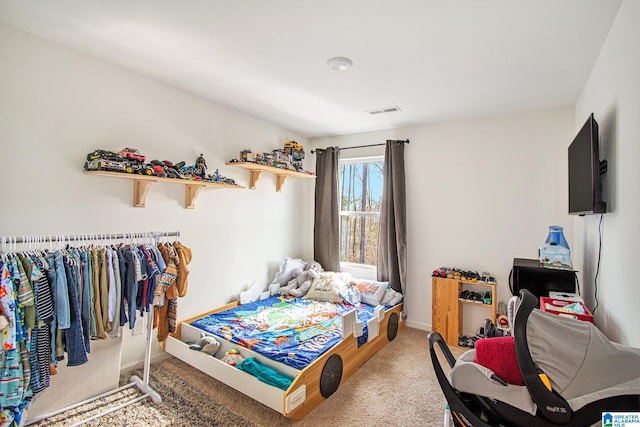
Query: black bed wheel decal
[
  {"x": 331, "y": 376},
  {"x": 392, "y": 326}
]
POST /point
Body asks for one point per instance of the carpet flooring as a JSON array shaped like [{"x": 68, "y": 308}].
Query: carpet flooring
[
  {"x": 396, "y": 387},
  {"x": 182, "y": 405}
]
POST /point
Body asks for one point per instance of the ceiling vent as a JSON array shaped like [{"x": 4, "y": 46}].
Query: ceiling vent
[{"x": 384, "y": 110}]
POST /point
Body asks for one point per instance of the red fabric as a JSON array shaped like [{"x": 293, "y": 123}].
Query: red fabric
[{"x": 499, "y": 355}]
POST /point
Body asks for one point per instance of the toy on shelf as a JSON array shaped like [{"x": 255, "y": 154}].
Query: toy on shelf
[
  {"x": 201, "y": 167},
  {"x": 216, "y": 177},
  {"x": 296, "y": 151},
  {"x": 246, "y": 156},
  {"x": 132, "y": 154},
  {"x": 464, "y": 275},
  {"x": 290, "y": 157},
  {"x": 130, "y": 160}
]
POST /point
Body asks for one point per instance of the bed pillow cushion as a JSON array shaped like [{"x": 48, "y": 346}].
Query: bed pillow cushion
[
  {"x": 351, "y": 294},
  {"x": 285, "y": 271},
  {"x": 372, "y": 291},
  {"x": 327, "y": 287},
  {"x": 391, "y": 297}
]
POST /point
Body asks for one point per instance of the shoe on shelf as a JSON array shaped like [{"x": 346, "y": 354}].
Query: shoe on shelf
[
  {"x": 487, "y": 277},
  {"x": 486, "y": 298}
]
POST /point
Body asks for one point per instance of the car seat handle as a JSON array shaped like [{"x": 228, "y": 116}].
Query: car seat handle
[{"x": 551, "y": 405}]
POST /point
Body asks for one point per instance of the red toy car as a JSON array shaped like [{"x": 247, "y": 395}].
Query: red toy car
[{"x": 132, "y": 154}]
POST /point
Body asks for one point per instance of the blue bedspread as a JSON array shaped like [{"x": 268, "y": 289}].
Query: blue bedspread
[{"x": 294, "y": 331}]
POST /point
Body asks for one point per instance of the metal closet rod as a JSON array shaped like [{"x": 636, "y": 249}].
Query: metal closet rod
[
  {"x": 76, "y": 237},
  {"x": 399, "y": 141}
]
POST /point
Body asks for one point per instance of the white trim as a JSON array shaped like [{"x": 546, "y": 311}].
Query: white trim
[
  {"x": 368, "y": 159},
  {"x": 360, "y": 213},
  {"x": 356, "y": 265},
  {"x": 360, "y": 271}
]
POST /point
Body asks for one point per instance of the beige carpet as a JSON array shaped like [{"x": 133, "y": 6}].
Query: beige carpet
[
  {"x": 396, "y": 387},
  {"x": 182, "y": 405}
]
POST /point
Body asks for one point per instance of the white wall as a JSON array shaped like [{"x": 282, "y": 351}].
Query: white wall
[
  {"x": 56, "y": 105},
  {"x": 612, "y": 93},
  {"x": 479, "y": 193}
]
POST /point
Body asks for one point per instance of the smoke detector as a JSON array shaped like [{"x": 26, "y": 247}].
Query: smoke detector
[{"x": 339, "y": 63}]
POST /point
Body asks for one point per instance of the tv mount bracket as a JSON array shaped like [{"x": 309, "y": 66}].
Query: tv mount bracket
[{"x": 603, "y": 167}]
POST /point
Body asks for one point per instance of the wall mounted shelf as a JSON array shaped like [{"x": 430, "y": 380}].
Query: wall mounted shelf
[
  {"x": 281, "y": 174},
  {"x": 142, "y": 183}
]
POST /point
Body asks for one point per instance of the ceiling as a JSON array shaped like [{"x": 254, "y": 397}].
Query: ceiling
[{"x": 436, "y": 60}]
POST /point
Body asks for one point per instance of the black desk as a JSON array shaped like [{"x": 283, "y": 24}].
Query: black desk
[{"x": 529, "y": 274}]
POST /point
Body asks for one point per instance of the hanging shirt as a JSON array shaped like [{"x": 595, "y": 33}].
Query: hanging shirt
[
  {"x": 61, "y": 293},
  {"x": 25, "y": 290},
  {"x": 111, "y": 281},
  {"x": 117, "y": 288},
  {"x": 42, "y": 288},
  {"x": 97, "y": 306},
  {"x": 7, "y": 301}
]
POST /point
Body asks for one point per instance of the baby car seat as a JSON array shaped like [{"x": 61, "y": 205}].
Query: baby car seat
[{"x": 572, "y": 374}]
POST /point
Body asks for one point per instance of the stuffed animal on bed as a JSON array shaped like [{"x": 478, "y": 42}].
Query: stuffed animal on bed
[{"x": 302, "y": 279}]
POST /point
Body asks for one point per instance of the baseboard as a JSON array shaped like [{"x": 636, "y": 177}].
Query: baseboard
[
  {"x": 157, "y": 358},
  {"x": 418, "y": 325}
]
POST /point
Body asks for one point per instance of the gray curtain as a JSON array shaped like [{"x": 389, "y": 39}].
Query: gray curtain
[
  {"x": 392, "y": 238},
  {"x": 326, "y": 225}
]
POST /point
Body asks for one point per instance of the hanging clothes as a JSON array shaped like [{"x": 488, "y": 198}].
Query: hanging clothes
[{"x": 54, "y": 302}]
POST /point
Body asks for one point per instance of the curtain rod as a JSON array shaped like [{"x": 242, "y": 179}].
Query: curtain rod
[
  {"x": 76, "y": 237},
  {"x": 400, "y": 141}
]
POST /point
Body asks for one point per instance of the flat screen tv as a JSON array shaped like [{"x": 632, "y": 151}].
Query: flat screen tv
[{"x": 585, "y": 189}]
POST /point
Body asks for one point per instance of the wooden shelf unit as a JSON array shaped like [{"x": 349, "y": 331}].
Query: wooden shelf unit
[
  {"x": 447, "y": 307},
  {"x": 142, "y": 183},
  {"x": 256, "y": 169}
]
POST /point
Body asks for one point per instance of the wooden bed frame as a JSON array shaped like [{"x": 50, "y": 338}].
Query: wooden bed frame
[{"x": 311, "y": 385}]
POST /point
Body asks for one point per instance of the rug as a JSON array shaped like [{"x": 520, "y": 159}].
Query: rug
[{"x": 182, "y": 405}]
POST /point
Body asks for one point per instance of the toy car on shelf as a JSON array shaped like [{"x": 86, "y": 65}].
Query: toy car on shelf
[
  {"x": 101, "y": 164},
  {"x": 172, "y": 170},
  {"x": 290, "y": 146},
  {"x": 216, "y": 177},
  {"x": 104, "y": 154},
  {"x": 189, "y": 172},
  {"x": 132, "y": 154},
  {"x": 247, "y": 156},
  {"x": 149, "y": 169}
]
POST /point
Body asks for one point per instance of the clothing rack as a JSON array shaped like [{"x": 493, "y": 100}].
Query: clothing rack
[
  {"x": 399, "y": 141},
  {"x": 141, "y": 384}
]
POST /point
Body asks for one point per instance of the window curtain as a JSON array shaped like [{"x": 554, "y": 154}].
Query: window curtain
[
  {"x": 392, "y": 237},
  {"x": 326, "y": 226}
]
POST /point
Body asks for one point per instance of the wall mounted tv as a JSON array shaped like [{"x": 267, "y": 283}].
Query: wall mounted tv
[{"x": 585, "y": 168}]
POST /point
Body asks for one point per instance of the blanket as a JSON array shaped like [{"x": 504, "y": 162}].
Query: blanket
[{"x": 294, "y": 331}]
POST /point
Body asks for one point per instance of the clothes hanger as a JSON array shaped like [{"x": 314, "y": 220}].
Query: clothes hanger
[{"x": 3, "y": 250}]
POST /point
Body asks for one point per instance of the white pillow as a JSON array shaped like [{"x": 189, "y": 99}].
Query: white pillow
[
  {"x": 327, "y": 287},
  {"x": 285, "y": 271},
  {"x": 391, "y": 297},
  {"x": 372, "y": 291},
  {"x": 351, "y": 294}
]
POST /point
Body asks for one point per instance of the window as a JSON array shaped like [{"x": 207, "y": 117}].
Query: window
[{"x": 360, "y": 201}]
